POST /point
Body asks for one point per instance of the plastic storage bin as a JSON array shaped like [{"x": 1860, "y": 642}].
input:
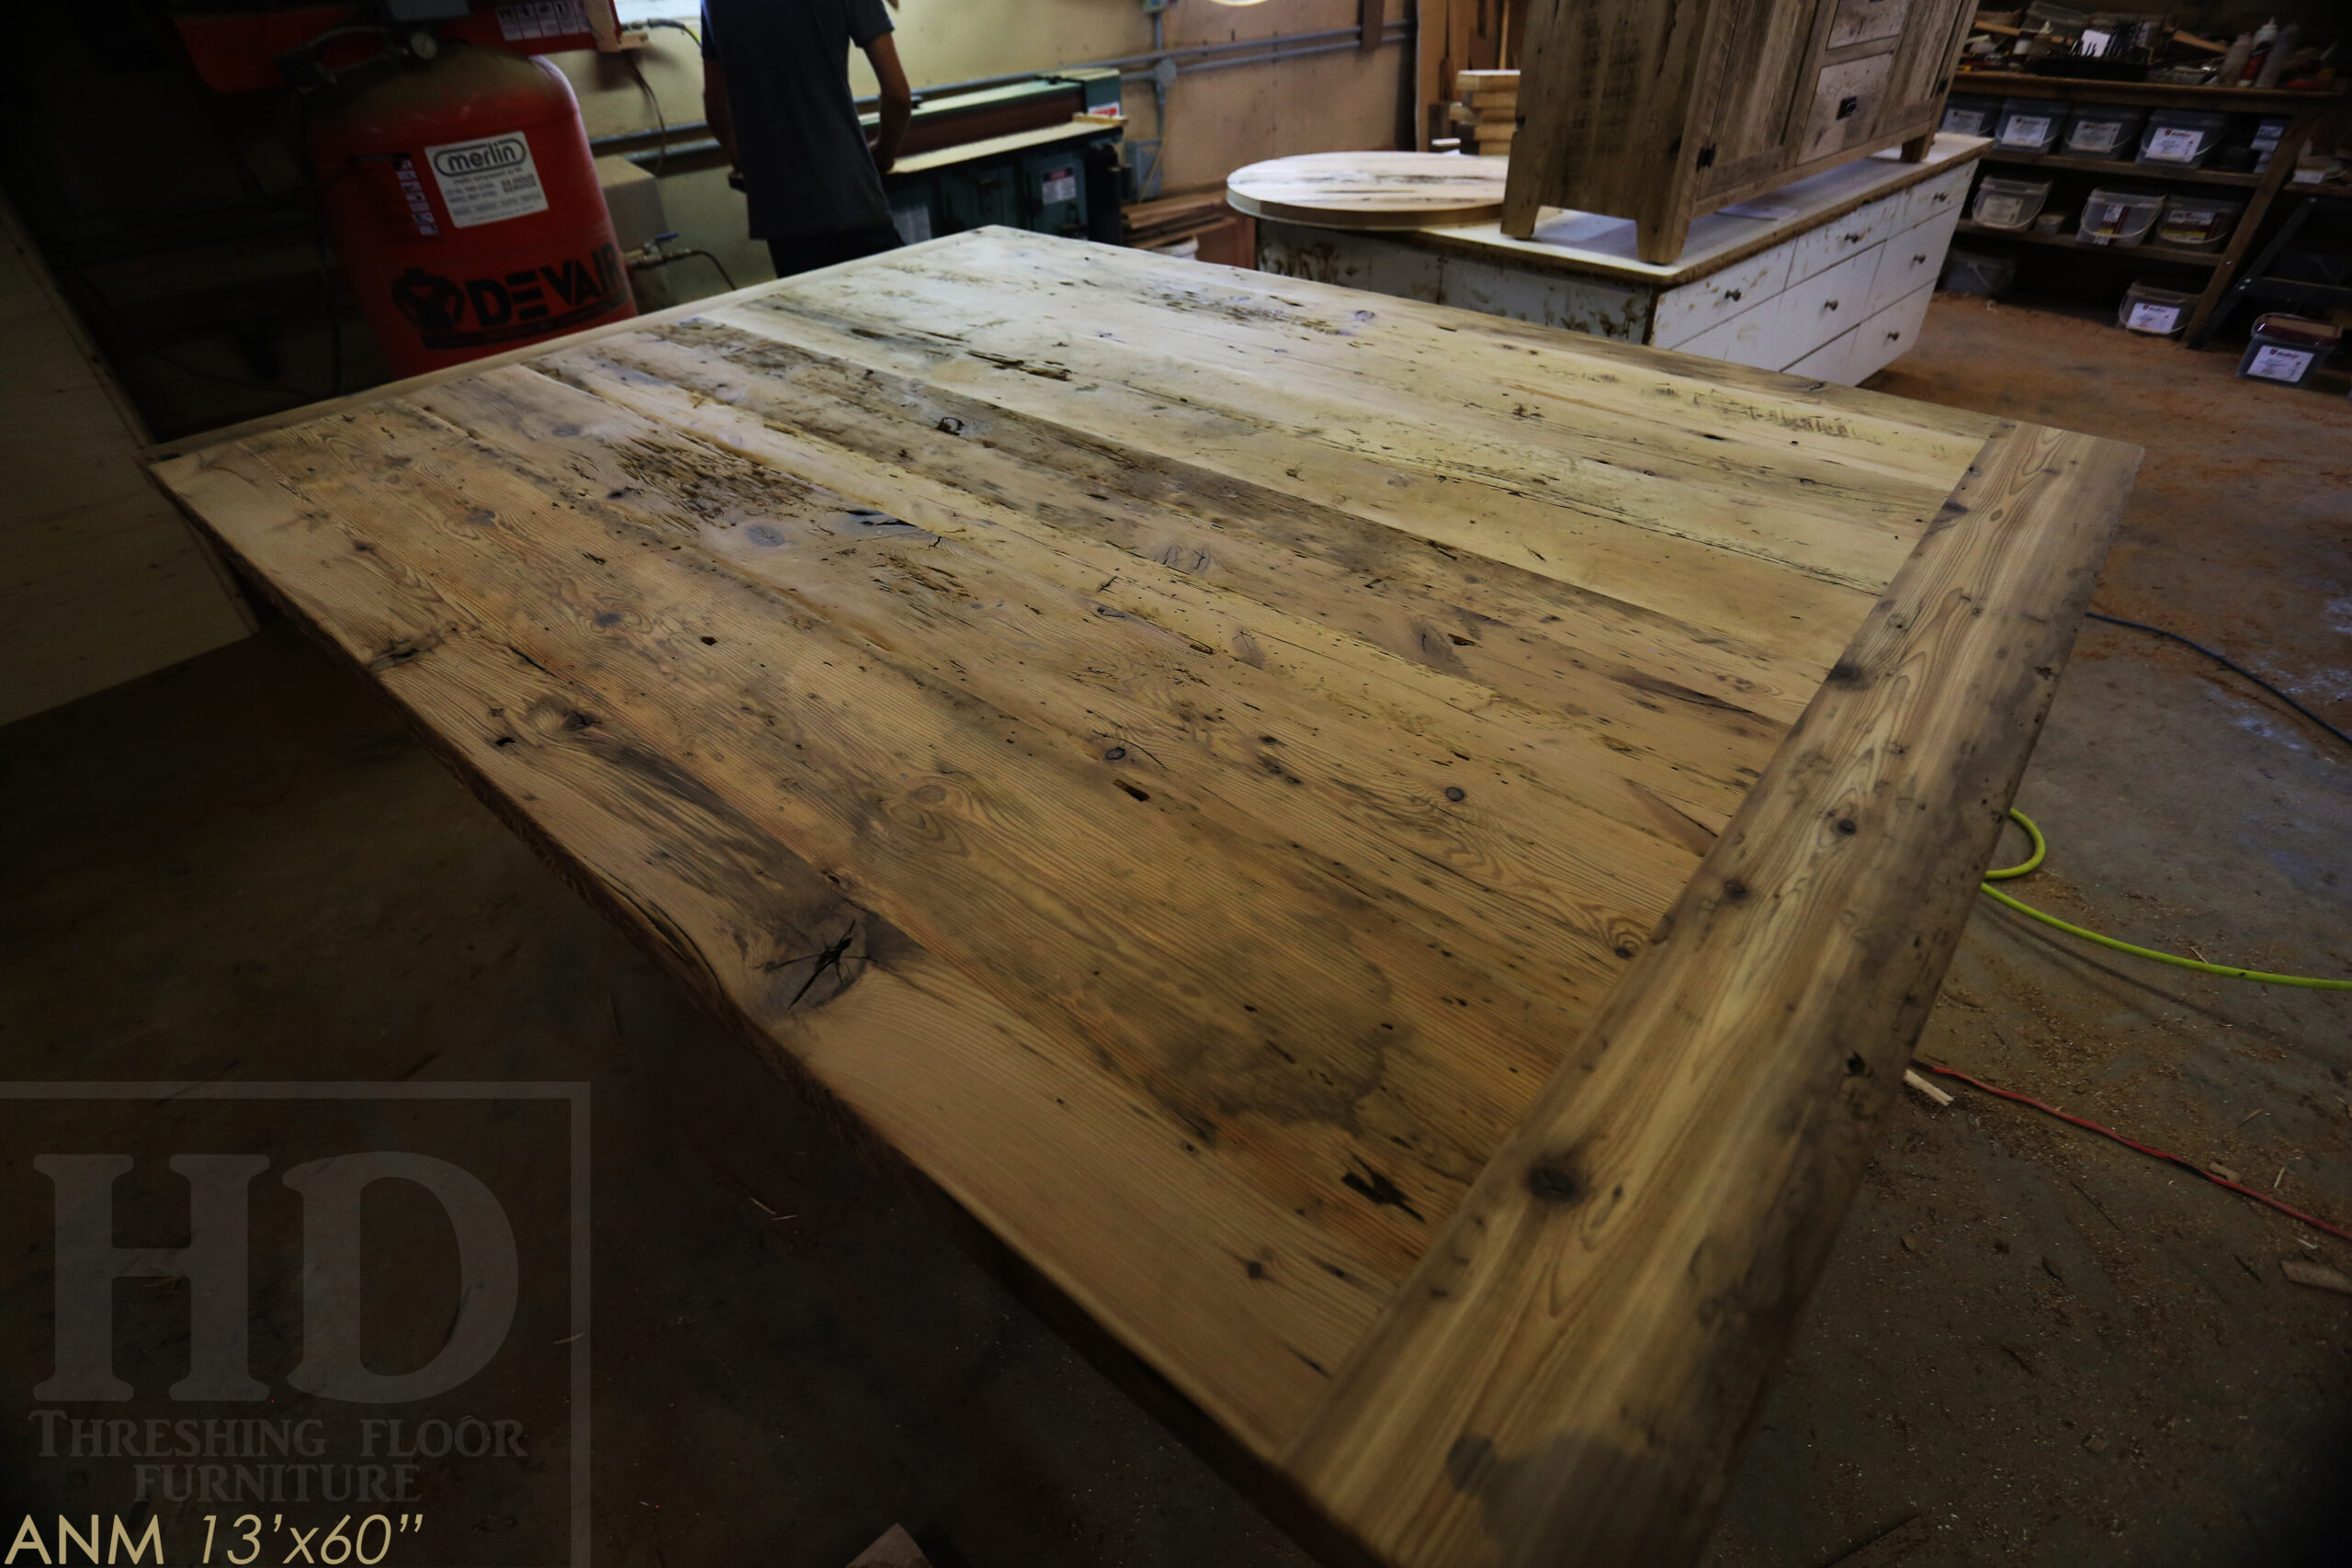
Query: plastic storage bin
[
  {"x": 2008, "y": 204},
  {"x": 1966, "y": 116},
  {"x": 2161, "y": 312},
  {"x": 2267, "y": 137},
  {"x": 2028, "y": 125},
  {"x": 2286, "y": 349},
  {"x": 2102, "y": 130},
  {"x": 2197, "y": 222},
  {"x": 2183, "y": 139},
  {"x": 1973, "y": 272},
  {"x": 2119, "y": 216}
]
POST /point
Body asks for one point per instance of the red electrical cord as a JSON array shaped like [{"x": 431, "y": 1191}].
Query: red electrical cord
[{"x": 2165, "y": 1154}]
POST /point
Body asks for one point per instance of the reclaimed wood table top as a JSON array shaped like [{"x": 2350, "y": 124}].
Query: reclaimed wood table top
[
  {"x": 1391, "y": 858},
  {"x": 1371, "y": 190}
]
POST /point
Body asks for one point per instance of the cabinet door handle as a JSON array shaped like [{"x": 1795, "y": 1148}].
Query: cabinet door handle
[
  {"x": 1920, "y": 260},
  {"x": 1895, "y": 337},
  {"x": 1731, "y": 294},
  {"x": 1829, "y": 305},
  {"x": 1857, "y": 238}
]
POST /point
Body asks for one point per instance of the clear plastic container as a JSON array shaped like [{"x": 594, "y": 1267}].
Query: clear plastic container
[
  {"x": 2102, "y": 130},
  {"x": 2182, "y": 138},
  {"x": 1967, "y": 115},
  {"x": 2161, "y": 312},
  {"x": 2268, "y": 134},
  {"x": 1973, "y": 272},
  {"x": 2286, "y": 349},
  {"x": 2119, "y": 216},
  {"x": 2197, "y": 222},
  {"x": 2008, "y": 204},
  {"x": 2030, "y": 125}
]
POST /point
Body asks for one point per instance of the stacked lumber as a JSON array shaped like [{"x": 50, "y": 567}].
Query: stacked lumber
[
  {"x": 1486, "y": 107},
  {"x": 1199, "y": 225}
]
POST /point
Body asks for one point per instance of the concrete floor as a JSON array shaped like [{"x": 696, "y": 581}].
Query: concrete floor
[{"x": 2030, "y": 1345}]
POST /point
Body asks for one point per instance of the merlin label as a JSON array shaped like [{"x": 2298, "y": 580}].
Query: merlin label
[{"x": 487, "y": 181}]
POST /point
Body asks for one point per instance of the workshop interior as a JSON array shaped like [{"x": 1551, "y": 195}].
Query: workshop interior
[{"x": 1131, "y": 783}]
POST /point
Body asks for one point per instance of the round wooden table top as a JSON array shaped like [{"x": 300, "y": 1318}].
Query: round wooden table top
[{"x": 1371, "y": 190}]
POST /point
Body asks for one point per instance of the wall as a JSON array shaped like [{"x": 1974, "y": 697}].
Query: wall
[
  {"x": 100, "y": 579},
  {"x": 1217, "y": 118}
]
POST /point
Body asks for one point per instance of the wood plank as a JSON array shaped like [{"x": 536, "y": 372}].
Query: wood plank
[
  {"x": 1543, "y": 465},
  {"x": 1575, "y": 1358},
  {"x": 1242, "y": 1304}
]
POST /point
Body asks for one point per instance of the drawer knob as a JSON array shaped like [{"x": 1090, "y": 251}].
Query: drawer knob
[{"x": 1731, "y": 294}]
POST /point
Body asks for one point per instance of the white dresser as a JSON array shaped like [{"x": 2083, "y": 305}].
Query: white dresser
[{"x": 1828, "y": 277}]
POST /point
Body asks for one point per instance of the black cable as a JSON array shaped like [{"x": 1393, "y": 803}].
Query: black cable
[
  {"x": 653, "y": 102},
  {"x": 725, "y": 276},
  {"x": 2227, "y": 663}
]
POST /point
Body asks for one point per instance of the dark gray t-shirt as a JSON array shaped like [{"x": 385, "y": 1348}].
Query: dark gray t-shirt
[{"x": 805, "y": 166}]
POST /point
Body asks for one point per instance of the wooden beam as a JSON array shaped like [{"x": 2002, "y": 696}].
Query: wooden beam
[{"x": 1567, "y": 1375}]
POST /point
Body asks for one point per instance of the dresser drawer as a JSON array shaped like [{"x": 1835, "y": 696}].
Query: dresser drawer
[
  {"x": 1864, "y": 21},
  {"x": 1912, "y": 260},
  {"x": 1890, "y": 333},
  {"x": 1821, "y": 308},
  {"x": 1948, "y": 192},
  {"x": 1683, "y": 313},
  {"x": 1832, "y": 361},
  {"x": 1841, "y": 237},
  {"x": 1845, "y": 105},
  {"x": 1757, "y": 336}
]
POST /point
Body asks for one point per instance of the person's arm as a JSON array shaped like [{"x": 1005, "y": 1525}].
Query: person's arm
[
  {"x": 715, "y": 112},
  {"x": 898, "y": 99}
]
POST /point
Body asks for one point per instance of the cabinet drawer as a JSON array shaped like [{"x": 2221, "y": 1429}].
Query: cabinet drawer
[
  {"x": 1822, "y": 307},
  {"x": 1832, "y": 361},
  {"x": 1948, "y": 192},
  {"x": 1860, "y": 21},
  {"x": 1845, "y": 104},
  {"x": 1913, "y": 259},
  {"x": 1841, "y": 237},
  {"x": 1757, "y": 336},
  {"x": 1890, "y": 332},
  {"x": 1683, "y": 313}
]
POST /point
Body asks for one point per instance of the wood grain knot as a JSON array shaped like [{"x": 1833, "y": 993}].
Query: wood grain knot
[
  {"x": 1845, "y": 824},
  {"x": 1555, "y": 1182},
  {"x": 1116, "y": 753},
  {"x": 1845, "y": 672},
  {"x": 1735, "y": 890},
  {"x": 1456, "y": 794}
]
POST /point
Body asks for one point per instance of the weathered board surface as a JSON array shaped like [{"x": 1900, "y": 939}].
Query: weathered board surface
[
  {"x": 1392, "y": 856},
  {"x": 1370, "y": 190}
]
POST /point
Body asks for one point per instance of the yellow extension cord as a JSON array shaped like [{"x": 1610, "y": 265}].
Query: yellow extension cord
[{"x": 2042, "y": 847}]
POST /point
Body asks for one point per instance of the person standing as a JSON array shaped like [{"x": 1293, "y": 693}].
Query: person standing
[{"x": 775, "y": 90}]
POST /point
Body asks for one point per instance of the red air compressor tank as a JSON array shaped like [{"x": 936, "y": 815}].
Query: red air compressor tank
[{"x": 464, "y": 206}]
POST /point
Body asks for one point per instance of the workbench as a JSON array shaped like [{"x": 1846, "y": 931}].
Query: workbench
[
  {"x": 1388, "y": 860},
  {"x": 1828, "y": 277}
]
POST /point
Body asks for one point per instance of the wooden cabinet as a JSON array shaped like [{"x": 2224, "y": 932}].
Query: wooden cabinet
[{"x": 1660, "y": 110}]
